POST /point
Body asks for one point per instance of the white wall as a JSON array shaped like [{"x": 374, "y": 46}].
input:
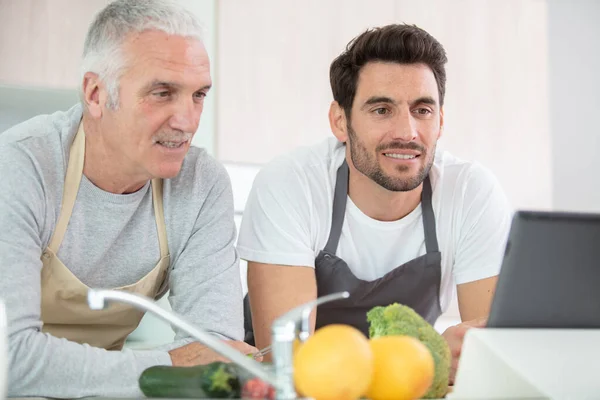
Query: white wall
[{"x": 574, "y": 57}]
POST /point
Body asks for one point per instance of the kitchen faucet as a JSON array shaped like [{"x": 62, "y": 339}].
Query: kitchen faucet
[{"x": 294, "y": 324}]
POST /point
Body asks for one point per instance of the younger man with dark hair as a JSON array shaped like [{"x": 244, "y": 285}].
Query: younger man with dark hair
[{"x": 378, "y": 210}]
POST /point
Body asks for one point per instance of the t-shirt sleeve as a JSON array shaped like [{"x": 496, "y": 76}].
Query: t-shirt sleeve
[
  {"x": 484, "y": 223},
  {"x": 275, "y": 227}
]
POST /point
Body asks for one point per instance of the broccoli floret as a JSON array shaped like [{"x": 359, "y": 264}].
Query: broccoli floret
[{"x": 397, "y": 319}]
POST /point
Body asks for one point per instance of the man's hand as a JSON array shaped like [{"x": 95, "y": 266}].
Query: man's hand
[
  {"x": 455, "y": 336},
  {"x": 198, "y": 354}
]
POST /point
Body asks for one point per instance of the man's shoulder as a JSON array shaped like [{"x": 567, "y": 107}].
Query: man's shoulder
[
  {"x": 43, "y": 127},
  {"x": 458, "y": 172},
  {"x": 40, "y": 142},
  {"x": 466, "y": 187}
]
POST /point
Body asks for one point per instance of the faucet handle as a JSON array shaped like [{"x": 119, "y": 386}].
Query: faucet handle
[
  {"x": 284, "y": 331},
  {"x": 301, "y": 314}
]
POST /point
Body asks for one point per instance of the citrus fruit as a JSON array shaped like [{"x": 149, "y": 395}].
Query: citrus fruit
[
  {"x": 403, "y": 368},
  {"x": 336, "y": 363}
]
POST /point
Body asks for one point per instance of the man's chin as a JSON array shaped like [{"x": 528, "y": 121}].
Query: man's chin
[
  {"x": 401, "y": 181},
  {"x": 404, "y": 185},
  {"x": 168, "y": 171}
]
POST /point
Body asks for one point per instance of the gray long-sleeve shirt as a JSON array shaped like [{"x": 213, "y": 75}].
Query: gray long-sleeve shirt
[{"x": 111, "y": 241}]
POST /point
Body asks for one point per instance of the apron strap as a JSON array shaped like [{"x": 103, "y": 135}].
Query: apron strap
[
  {"x": 431, "y": 242},
  {"x": 340, "y": 196},
  {"x": 70, "y": 190},
  {"x": 157, "y": 201}
]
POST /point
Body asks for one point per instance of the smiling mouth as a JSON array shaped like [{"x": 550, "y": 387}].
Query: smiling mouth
[
  {"x": 401, "y": 156},
  {"x": 172, "y": 145}
]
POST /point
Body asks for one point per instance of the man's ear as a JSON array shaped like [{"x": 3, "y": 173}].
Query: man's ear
[
  {"x": 91, "y": 94},
  {"x": 441, "y": 122},
  {"x": 338, "y": 122}
]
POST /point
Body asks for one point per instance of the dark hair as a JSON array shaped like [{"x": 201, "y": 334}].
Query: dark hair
[{"x": 399, "y": 43}]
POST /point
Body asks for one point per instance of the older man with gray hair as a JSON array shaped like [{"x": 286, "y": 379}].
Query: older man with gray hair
[{"x": 111, "y": 194}]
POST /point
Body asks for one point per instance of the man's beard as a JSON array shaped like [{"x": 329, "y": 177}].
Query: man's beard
[{"x": 366, "y": 164}]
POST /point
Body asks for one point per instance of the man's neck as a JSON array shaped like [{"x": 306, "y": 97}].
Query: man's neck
[
  {"x": 379, "y": 203},
  {"x": 102, "y": 166}
]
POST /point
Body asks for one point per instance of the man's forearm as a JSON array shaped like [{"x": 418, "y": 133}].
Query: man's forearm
[{"x": 45, "y": 366}]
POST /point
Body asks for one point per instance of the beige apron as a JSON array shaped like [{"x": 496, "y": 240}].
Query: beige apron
[{"x": 64, "y": 309}]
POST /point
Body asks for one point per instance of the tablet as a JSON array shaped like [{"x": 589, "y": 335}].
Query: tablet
[{"x": 550, "y": 276}]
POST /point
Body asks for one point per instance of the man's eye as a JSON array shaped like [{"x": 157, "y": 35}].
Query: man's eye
[
  {"x": 423, "y": 111},
  {"x": 200, "y": 95},
  {"x": 164, "y": 93},
  {"x": 381, "y": 111}
]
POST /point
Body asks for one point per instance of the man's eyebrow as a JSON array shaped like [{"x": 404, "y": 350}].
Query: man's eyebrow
[
  {"x": 387, "y": 100},
  {"x": 160, "y": 84},
  {"x": 170, "y": 85},
  {"x": 204, "y": 88},
  {"x": 424, "y": 100},
  {"x": 377, "y": 100}
]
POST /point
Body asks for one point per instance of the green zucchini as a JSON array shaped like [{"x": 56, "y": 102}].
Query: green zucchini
[{"x": 216, "y": 380}]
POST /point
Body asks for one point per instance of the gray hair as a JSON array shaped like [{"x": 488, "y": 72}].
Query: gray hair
[{"x": 103, "y": 44}]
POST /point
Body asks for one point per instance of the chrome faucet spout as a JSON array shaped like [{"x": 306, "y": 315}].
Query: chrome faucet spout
[
  {"x": 99, "y": 299},
  {"x": 285, "y": 329}
]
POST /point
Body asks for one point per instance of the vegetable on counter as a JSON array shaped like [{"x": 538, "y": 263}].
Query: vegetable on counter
[
  {"x": 215, "y": 380},
  {"x": 403, "y": 357},
  {"x": 256, "y": 388},
  {"x": 397, "y": 319}
]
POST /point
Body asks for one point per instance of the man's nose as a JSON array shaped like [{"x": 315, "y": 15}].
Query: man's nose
[
  {"x": 404, "y": 127},
  {"x": 187, "y": 116}
]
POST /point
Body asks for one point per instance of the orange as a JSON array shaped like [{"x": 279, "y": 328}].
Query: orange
[
  {"x": 296, "y": 345},
  {"x": 336, "y": 363},
  {"x": 403, "y": 368}
]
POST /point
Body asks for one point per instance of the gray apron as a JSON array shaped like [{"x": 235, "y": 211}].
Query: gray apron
[{"x": 415, "y": 283}]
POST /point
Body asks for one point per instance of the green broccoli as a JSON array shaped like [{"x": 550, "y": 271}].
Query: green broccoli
[{"x": 397, "y": 319}]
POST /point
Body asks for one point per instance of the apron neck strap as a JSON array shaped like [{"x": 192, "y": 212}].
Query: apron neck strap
[
  {"x": 431, "y": 242},
  {"x": 157, "y": 201},
  {"x": 71, "y": 187},
  {"x": 340, "y": 196}
]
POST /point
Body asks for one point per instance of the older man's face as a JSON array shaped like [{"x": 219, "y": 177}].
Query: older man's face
[{"x": 161, "y": 97}]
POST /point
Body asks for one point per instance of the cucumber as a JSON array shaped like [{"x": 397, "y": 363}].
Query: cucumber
[{"x": 215, "y": 380}]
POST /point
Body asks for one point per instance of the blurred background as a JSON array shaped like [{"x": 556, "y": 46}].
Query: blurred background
[{"x": 522, "y": 86}]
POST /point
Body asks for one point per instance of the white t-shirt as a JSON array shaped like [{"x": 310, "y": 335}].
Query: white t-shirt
[{"x": 288, "y": 218}]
